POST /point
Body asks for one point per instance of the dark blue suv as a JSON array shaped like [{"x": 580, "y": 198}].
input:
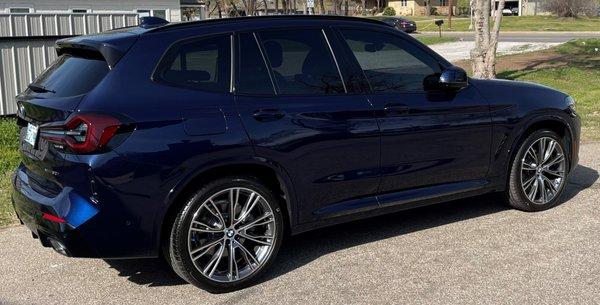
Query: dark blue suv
[{"x": 206, "y": 142}]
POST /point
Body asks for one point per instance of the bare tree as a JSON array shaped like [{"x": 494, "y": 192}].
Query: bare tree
[
  {"x": 483, "y": 56},
  {"x": 572, "y": 8}
]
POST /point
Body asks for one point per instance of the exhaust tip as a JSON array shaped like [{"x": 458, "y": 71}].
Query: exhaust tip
[{"x": 58, "y": 247}]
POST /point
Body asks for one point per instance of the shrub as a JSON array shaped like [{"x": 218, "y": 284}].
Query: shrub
[
  {"x": 389, "y": 11},
  {"x": 572, "y": 8}
]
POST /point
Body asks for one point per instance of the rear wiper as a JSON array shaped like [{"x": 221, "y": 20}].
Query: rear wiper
[{"x": 39, "y": 89}]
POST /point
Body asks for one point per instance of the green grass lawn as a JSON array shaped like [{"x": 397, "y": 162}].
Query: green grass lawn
[
  {"x": 9, "y": 158},
  {"x": 576, "y": 73},
  {"x": 515, "y": 23},
  {"x": 429, "y": 40}
]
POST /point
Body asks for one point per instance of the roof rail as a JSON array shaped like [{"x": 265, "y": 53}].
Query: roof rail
[
  {"x": 267, "y": 17},
  {"x": 152, "y": 22}
]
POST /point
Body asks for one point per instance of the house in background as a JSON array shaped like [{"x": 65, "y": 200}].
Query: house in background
[
  {"x": 420, "y": 7},
  {"x": 167, "y": 9}
]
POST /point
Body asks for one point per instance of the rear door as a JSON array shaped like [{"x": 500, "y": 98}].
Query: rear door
[
  {"x": 301, "y": 115},
  {"x": 429, "y": 137}
]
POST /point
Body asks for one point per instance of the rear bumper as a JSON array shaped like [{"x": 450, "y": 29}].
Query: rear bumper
[{"x": 66, "y": 237}]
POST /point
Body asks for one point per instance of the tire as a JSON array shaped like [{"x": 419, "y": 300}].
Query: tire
[
  {"x": 527, "y": 172},
  {"x": 199, "y": 243}
]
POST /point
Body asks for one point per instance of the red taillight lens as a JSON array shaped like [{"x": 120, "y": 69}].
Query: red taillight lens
[{"x": 84, "y": 133}]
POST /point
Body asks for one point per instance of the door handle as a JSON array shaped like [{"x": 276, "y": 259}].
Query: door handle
[
  {"x": 396, "y": 109},
  {"x": 268, "y": 115}
]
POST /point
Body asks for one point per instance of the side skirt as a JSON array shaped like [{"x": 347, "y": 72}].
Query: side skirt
[{"x": 393, "y": 202}]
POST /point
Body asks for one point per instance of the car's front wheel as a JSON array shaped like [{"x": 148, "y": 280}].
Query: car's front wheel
[
  {"x": 538, "y": 172},
  {"x": 227, "y": 234}
]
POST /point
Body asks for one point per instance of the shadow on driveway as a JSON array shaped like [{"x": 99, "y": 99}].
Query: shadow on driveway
[{"x": 300, "y": 250}]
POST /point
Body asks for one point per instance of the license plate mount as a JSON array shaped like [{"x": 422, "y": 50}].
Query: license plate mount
[{"x": 31, "y": 134}]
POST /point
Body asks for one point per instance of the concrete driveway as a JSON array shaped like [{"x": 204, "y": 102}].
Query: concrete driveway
[
  {"x": 464, "y": 252},
  {"x": 460, "y": 50},
  {"x": 509, "y": 42}
]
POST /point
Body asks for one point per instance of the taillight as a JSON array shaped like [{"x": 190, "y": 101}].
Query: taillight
[{"x": 83, "y": 133}]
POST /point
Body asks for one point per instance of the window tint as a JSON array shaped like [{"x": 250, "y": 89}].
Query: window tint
[
  {"x": 389, "y": 63},
  {"x": 253, "y": 76},
  {"x": 201, "y": 64},
  {"x": 71, "y": 75},
  {"x": 301, "y": 62}
]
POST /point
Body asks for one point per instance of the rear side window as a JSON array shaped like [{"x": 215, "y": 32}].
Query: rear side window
[
  {"x": 389, "y": 63},
  {"x": 200, "y": 64},
  {"x": 71, "y": 75},
  {"x": 253, "y": 75},
  {"x": 301, "y": 62}
]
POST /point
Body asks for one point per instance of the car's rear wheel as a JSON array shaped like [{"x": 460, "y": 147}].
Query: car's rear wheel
[
  {"x": 227, "y": 234},
  {"x": 538, "y": 172}
]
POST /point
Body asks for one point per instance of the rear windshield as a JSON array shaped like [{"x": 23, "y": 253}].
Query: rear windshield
[{"x": 70, "y": 75}]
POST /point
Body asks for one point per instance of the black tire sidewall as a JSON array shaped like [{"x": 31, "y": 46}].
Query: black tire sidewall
[
  {"x": 517, "y": 196},
  {"x": 180, "y": 234}
]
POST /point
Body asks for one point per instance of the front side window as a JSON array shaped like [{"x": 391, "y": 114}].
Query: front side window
[
  {"x": 200, "y": 64},
  {"x": 301, "y": 62},
  {"x": 389, "y": 63}
]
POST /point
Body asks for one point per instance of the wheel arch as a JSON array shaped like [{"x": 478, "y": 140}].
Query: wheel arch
[
  {"x": 269, "y": 173},
  {"x": 552, "y": 122}
]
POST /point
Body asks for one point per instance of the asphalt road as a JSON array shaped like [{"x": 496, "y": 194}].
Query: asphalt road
[
  {"x": 527, "y": 37},
  {"x": 464, "y": 252}
]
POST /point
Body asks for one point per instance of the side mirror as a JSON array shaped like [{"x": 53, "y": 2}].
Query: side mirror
[{"x": 453, "y": 78}]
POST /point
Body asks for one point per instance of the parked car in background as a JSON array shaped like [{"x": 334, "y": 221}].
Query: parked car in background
[
  {"x": 515, "y": 11},
  {"x": 402, "y": 24},
  {"x": 207, "y": 142},
  {"x": 507, "y": 12}
]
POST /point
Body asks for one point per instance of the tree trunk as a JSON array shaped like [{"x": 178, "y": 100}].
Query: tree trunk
[
  {"x": 483, "y": 56},
  {"x": 346, "y": 8},
  {"x": 364, "y": 7},
  {"x": 450, "y": 12},
  {"x": 219, "y": 9}
]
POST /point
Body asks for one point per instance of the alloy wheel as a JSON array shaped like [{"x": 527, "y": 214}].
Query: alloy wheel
[
  {"x": 543, "y": 170},
  {"x": 231, "y": 234}
]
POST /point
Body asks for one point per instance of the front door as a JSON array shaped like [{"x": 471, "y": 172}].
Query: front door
[{"x": 429, "y": 137}]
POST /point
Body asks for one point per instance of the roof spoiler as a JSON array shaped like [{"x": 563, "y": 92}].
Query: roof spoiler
[{"x": 111, "y": 47}]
